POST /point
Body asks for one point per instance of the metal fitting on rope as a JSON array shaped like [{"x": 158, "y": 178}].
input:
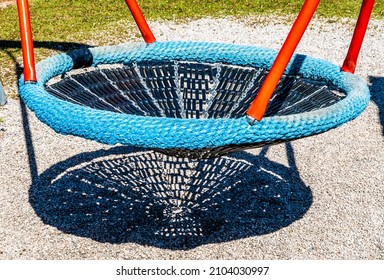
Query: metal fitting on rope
[{"x": 251, "y": 120}]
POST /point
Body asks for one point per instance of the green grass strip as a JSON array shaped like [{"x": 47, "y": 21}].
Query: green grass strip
[{"x": 60, "y": 19}]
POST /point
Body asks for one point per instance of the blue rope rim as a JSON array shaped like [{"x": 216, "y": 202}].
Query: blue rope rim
[{"x": 155, "y": 132}]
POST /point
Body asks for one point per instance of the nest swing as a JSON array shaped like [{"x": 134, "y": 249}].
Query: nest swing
[{"x": 193, "y": 99}]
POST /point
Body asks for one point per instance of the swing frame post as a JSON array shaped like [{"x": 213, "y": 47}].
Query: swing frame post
[
  {"x": 258, "y": 107},
  {"x": 350, "y": 61},
  {"x": 26, "y": 41},
  {"x": 141, "y": 22}
]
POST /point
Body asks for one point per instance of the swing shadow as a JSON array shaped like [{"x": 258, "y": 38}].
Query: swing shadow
[
  {"x": 125, "y": 195},
  {"x": 376, "y": 88}
]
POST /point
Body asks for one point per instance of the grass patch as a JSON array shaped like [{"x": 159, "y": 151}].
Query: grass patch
[
  {"x": 71, "y": 19},
  {"x": 55, "y": 23}
]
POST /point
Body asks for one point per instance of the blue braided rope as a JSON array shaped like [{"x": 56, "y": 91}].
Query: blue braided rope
[{"x": 154, "y": 132}]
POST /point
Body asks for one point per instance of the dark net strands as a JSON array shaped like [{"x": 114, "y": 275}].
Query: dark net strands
[{"x": 188, "y": 90}]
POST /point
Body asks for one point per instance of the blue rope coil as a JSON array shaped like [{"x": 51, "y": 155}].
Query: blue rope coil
[{"x": 169, "y": 133}]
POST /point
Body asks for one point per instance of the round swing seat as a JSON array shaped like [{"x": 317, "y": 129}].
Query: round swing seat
[{"x": 189, "y": 99}]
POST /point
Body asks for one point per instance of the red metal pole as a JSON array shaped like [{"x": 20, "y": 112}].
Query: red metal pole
[
  {"x": 26, "y": 41},
  {"x": 140, "y": 21},
  {"x": 350, "y": 61},
  {"x": 258, "y": 107}
]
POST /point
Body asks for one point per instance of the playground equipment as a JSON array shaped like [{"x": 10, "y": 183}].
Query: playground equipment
[
  {"x": 3, "y": 97},
  {"x": 193, "y": 99}
]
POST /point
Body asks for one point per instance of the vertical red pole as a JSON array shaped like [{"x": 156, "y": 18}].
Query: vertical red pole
[
  {"x": 259, "y": 105},
  {"x": 350, "y": 61},
  {"x": 140, "y": 21},
  {"x": 26, "y": 41}
]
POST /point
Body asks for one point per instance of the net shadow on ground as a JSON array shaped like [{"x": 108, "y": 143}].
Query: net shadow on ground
[
  {"x": 123, "y": 195},
  {"x": 376, "y": 88}
]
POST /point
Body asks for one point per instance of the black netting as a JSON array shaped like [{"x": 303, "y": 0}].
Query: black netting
[{"x": 188, "y": 90}]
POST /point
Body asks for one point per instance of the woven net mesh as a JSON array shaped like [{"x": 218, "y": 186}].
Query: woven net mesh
[{"x": 187, "y": 90}]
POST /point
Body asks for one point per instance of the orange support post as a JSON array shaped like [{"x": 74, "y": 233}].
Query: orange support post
[
  {"x": 140, "y": 21},
  {"x": 349, "y": 64},
  {"x": 258, "y": 107},
  {"x": 26, "y": 41}
]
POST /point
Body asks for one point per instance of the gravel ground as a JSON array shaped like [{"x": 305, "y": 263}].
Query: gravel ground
[
  {"x": 5, "y": 3},
  {"x": 63, "y": 197}
]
